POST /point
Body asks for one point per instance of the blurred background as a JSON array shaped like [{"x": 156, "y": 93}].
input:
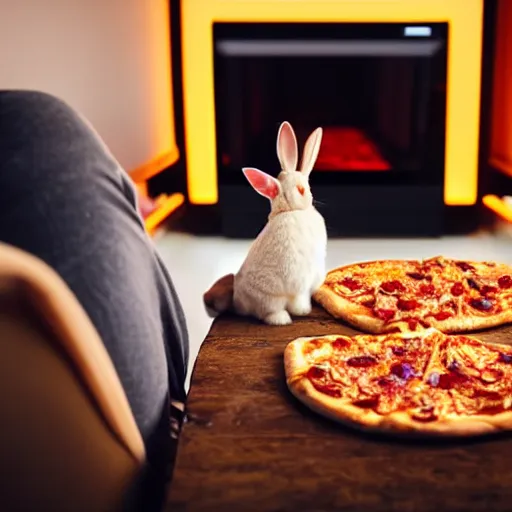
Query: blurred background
[{"x": 415, "y": 100}]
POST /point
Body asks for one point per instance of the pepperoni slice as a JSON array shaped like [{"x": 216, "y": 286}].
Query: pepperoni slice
[
  {"x": 362, "y": 361},
  {"x": 407, "y": 305},
  {"x": 449, "y": 380},
  {"x": 367, "y": 403},
  {"x": 488, "y": 290},
  {"x": 340, "y": 343},
  {"x": 370, "y": 303},
  {"x": 412, "y": 324},
  {"x": 446, "y": 381},
  {"x": 315, "y": 373},
  {"x": 384, "y": 314},
  {"x": 505, "y": 282},
  {"x": 443, "y": 315},
  {"x": 329, "y": 389},
  {"x": 427, "y": 289},
  {"x": 398, "y": 351},
  {"x": 486, "y": 393},
  {"x": 457, "y": 289},
  {"x": 351, "y": 284},
  {"x": 392, "y": 286}
]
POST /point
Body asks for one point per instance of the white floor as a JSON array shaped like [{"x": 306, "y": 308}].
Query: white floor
[{"x": 196, "y": 262}]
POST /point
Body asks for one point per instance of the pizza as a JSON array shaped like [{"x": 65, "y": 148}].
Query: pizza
[
  {"x": 409, "y": 295},
  {"x": 421, "y": 383}
]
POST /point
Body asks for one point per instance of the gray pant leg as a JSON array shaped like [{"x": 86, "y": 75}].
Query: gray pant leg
[{"x": 65, "y": 199}]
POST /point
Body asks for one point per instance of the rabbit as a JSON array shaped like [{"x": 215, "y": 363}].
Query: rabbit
[{"x": 286, "y": 262}]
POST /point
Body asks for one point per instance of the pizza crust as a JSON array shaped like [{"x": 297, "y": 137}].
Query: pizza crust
[
  {"x": 343, "y": 309},
  {"x": 459, "y": 324},
  {"x": 342, "y": 411},
  {"x": 361, "y": 317},
  {"x": 396, "y": 422},
  {"x": 475, "y": 322},
  {"x": 295, "y": 364}
]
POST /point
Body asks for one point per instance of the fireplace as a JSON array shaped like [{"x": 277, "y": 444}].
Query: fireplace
[{"x": 395, "y": 87}]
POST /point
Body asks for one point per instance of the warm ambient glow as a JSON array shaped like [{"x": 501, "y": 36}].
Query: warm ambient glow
[
  {"x": 165, "y": 206},
  {"x": 498, "y": 206},
  {"x": 164, "y": 146},
  {"x": 157, "y": 55},
  {"x": 463, "y": 95}
]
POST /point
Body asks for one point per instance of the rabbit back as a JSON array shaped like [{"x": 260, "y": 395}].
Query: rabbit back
[{"x": 287, "y": 259}]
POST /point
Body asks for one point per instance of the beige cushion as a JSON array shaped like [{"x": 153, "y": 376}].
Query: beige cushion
[{"x": 68, "y": 440}]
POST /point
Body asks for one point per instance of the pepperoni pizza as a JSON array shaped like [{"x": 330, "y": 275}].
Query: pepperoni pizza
[
  {"x": 424, "y": 382},
  {"x": 410, "y": 295}
]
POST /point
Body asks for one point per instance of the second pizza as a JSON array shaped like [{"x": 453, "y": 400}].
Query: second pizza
[{"x": 410, "y": 295}]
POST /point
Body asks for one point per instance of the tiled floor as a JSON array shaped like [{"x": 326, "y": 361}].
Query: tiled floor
[{"x": 196, "y": 262}]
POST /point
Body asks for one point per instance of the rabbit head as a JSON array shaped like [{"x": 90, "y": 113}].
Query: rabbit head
[{"x": 290, "y": 191}]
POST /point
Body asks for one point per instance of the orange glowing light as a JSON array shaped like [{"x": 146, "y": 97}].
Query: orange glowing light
[
  {"x": 498, "y": 206},
  {"x": 163, "y": 142},
  {"x": 163, "y": 150},
  {"x": 166, "y": 206},
  {"x": 465, "y": 18}
]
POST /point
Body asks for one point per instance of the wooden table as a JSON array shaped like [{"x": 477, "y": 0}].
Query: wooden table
[{"x": 249, "y": 445}]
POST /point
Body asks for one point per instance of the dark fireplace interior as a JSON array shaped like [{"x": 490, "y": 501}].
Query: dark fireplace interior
[{"x": 378, "y": 91}]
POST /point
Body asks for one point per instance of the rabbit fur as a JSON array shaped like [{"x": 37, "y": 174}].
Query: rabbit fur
[{"x": 285, "y": 264}]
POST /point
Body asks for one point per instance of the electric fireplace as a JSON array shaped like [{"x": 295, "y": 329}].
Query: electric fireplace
[{"x": 395, "y": 87}]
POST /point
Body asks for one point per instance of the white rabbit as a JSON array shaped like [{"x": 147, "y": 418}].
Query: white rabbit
[{"x": 286, "y": 263}]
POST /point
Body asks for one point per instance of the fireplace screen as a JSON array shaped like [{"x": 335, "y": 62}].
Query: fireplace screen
[{"x": 378, "y": 91}]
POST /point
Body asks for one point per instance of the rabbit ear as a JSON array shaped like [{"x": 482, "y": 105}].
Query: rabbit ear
[
  {"x": 287, "y": 151},
  {"x": 311, "y": 150},
  {"x": 262, "y": 182}
]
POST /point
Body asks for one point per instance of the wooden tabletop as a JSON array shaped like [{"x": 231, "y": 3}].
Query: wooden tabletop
[{"x": 250, "y": 445}]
